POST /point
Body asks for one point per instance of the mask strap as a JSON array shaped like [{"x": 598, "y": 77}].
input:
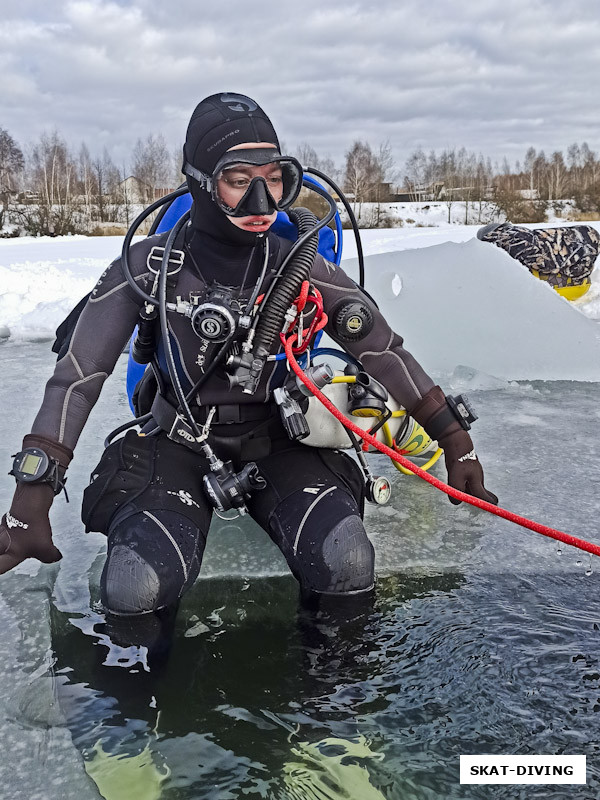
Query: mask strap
[{"x": 204, "y": 180}]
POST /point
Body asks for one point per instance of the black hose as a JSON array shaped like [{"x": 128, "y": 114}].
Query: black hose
[
  {"x": 315, "y": 227},
  {"x": 131, "y": 233},
  {"x": 261, "y": 277},
  {"x": 272, "y": 317},
  {"x": 304, "y": 237},
  {"x": 126, "y": 426},
  {"x": 164, "y": 325},
  {"x": 351, "y": 217},
  {"x": 215, "y": 362}
]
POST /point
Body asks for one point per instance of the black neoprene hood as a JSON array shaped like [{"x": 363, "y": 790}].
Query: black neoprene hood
[
  {"x": 218, "y": 123},
  {"x": 221, "y": 122}
]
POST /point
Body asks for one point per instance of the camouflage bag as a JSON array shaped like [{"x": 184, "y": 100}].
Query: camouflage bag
[{"x": 560, "y": 256}]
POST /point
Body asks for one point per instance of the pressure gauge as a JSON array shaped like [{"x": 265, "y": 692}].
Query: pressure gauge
[{"x": 379, "y": 490}]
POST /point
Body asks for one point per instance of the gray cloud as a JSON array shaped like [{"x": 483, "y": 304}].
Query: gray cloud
[{"x": 496, "y": 76}]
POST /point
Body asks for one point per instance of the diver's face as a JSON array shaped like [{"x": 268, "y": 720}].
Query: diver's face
[{"x": 233, "y": 183}]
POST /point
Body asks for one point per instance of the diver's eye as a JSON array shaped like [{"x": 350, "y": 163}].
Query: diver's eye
[{"x": 239, "y": 182}]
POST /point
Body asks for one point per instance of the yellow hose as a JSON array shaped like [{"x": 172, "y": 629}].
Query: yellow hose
[{"x": 389, "y": 440}]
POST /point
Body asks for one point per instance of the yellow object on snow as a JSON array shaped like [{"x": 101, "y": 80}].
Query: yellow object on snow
[{"x": 572, "y": 291}]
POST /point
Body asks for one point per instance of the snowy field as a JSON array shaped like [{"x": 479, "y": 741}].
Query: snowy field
[{"x": 436, "y": 214}]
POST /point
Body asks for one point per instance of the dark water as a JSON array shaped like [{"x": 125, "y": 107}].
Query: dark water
[
  {"x": 480, "y": 638},
  {"x": 269, "y": 701}
]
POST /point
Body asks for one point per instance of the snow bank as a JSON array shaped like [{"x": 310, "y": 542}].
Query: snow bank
[
  {"x": 456, "y": 300},
  {"x": 41, "y": 279},
  {"x": 473, "y": 305}
]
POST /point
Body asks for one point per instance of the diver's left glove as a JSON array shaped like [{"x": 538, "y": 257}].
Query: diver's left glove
[
  {"x": 25, "y": 531},
  {"x": 463, "y": 467},
  {"x": 440, "y": 422}
]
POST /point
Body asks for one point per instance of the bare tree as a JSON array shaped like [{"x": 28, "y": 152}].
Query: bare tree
[
  {"x": 416, "y": 171},
  {"x": 529, "y": 169},
  {"x": 11, "y": 168},
  {"x": 125, "y": 200},
  {"x": 107, "y": 179},
  {"x": 591, "y": 165},
  {"x": 11, "y": 161},
  {"x": 362, "y": 173},
  {"x": 152, "y": 164},
  {"x": 308, "y": 157},
  {"x": 87, "y": 182},
  {"x": 448, "y": 173},
  {"x": 557, "y": 177},
  {"x": 466, "y": 168},
  {"x": 53, "y": 181},
  {"x": 177, "y": 177},
  {"x": 385, "y": 169},
  {"x": 482, "y": 184},
  {"x": 586, "y": 188},
  {"x": 540, "y": 169},
  {"x": 575, "y": 167}
]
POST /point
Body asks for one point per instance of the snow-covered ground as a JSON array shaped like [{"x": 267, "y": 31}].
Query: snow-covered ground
[
  {"x": 41, "y": 279},
  {"x": 436, "y": 214}
]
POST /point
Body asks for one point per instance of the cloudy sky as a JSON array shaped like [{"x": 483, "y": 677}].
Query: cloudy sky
[{"x": 494, "y": 75}]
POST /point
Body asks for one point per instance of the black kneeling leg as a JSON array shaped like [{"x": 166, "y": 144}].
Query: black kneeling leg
[
  {"x": 153, "y": 557},
  {"x": 324, "y": 541}
]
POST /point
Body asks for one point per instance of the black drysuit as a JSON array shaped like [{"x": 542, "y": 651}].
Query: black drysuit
[{"x": 147, "y": 492}]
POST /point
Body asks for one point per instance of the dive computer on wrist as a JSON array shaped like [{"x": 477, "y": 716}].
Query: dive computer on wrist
[
  {"x": 33, "y": 465},
  {"x": 457, "y": 409}
]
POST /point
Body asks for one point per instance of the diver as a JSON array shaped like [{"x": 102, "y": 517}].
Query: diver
[{"x": 214, "y": 437}]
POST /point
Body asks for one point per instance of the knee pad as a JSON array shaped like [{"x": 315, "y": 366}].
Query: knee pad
[
  {"x": 349, "y": 556},
  {"x": 129, "y": 584},
  {"x": 153, "y": 556}
]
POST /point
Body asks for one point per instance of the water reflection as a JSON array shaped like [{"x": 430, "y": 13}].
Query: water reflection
[{"x": 267, "y": 698}]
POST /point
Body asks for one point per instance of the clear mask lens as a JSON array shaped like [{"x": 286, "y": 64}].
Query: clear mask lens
[
  {"x": 235, "y": 186},
  {"x": 237, "y": 179}
]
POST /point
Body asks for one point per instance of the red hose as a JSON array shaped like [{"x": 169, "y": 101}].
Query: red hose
[{"x": 560, "y": 536}]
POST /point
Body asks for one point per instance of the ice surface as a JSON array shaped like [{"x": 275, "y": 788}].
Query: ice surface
[{"x": 538, "y": 446}]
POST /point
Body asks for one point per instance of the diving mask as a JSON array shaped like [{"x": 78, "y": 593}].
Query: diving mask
[{"x": 242, "y": 187}]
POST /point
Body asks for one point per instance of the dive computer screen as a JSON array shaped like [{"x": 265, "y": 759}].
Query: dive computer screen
[{"x": 30, "y": 464}]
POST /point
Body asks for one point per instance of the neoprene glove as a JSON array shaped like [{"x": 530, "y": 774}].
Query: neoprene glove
[
  {"x": 463, "y": 467},
  {"x": 25, "y": 531}
]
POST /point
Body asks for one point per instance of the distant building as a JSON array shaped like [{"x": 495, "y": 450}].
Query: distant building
[
  {"x": 135, "y": 190},
  {"x": 163, "y": 191},
  {"x": 29, "y": 197},
  {"x": 417, "y": 193},
  {"x": 138, "y": 191}
]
